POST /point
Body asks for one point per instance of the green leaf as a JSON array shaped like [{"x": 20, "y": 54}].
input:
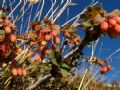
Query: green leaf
[
  {"x": 2, "y": 15},
  {"x": 64, "y": 72},
  {"x": 64, "y": 65},
  {"x": 55, "y": 60},
  {"x": 71, "y": 30},
  {"x": 2, "y": 32},
  {"x": 87, "y": 23}
]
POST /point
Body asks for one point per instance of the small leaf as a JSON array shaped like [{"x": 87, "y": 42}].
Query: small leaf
[
  {"x": 64, "y": 72},
  {"x": 2, "y": 32},
  {"x": 63, "y": 65},
  {"x": 53, "y": 58},
  {"x": 72, "y": 31},
  {"x": 87, "y": 23},
  {"x": 76, "y": 25}
]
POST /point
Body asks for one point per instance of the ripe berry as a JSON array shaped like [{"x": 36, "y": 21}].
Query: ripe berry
[
  {"x": 108, "y": 67},
  {"x": 117, "y": 19},
  {"x": 7, "y": 22},
  {"x": 117, "y": 29},
  {"x": 13, "y": 38},
  {"x": 24, "y": 72},
  {"x": 112, "y": 22},
  {"x": 7, "y": 29},
  {"x": 54, "y": 33},
  {"x": 19, "y": 71},
  {"x": 36, "y": 58},
  {"x": 103, "y": 69},
  {"x": 47, "y": 51},
  {"x": 4, "y": 48},
  {"x": 47, "y": 37},
  {"x": 104, "y": 26},
  {"x": 14, "y": 72},
  {"x": 53, "y": 47},
  {"x": 43, "y": 43},
  {"x": 57, "y": 40}
]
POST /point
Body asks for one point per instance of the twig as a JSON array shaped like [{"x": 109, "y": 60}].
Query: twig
[
  {"x": 15, "y": 7},
  {"x": 41, "y": 10},
  {"x": 39, "y": 81}
]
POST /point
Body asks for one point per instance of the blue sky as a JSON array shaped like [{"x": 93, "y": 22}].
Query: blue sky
[{"x": 108, "y": 45}]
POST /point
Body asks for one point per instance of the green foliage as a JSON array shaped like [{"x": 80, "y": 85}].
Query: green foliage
[{"x": 64, "y": 72}]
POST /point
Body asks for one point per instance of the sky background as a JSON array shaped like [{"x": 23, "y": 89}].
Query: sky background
[{"x": 108, "y": 45}]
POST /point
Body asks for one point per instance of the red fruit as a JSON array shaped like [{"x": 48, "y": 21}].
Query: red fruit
[
  {"x": 117, "y": 19},
  {"x": 53, "y": 47},
  {"x": 41, "y": 33},
  {"x": 108, "y": 67},
  {"x": 13, "y": 38},
  {"x": 103, "y": 69},
  {"x": 36, "y": 58},
  {"x": 54, "y": 33},
  {"x": 24, "y": 72},
  {"x": 43, "y": 43},
  {"x": 117, "y": 29},
  {"x": 112, "y": 22},
  {"x": 4, "y": 48},
  {"x": 7, "y": 29},
  {"x": 104, "y": 26},
  {"x": 7, "y": 22},
  {"x": 47, "y": 51},
  {"x": 47, "y": 37},
  {"x": 111, "y": 32},
  {"x": 14, "y": 72},
  {"x": 19, "y": 71},
  {"x": 57, "y": 40}
]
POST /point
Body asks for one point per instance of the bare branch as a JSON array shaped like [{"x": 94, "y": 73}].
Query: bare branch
[{"x": 39, "y": 81}]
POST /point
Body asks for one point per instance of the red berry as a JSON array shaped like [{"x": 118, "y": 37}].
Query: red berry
[
  {"x": 47, "y": 51},
  {"x": 117, "y": 19},
  {"x": 117, "y": 29},
  {"x": 108, "y": 67},
  {"x": 14, "y": 72},
  {"x": 43, "y": 43},
  {"x": 19, "y": 71},
  {"x": 57, "y": 40},
  {"x": 24, "y": 72},
  {"x": 13, "y": 38},
  {"x": 112, "y": 22},
  {"x": 4, "y": 48},
  {"x": 103, "y": 69},
  {"x": 54, "y": 33},
  {"x": 53, "y": 47},
  {"x": 7, "y": 29},
  {"x": 47, "y": 37},
  {"x": 36, "y": 58},
  {"x": 104, "y": 26}
]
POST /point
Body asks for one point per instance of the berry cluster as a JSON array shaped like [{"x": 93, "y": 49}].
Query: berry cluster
[
  {"x": 7, "y": 38},
  {"x": 104, "y": 69},
  {"x": 104, "y": 65},
  {"x": 111, "y": 25},
  {"x": 19, "y": 72}
]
